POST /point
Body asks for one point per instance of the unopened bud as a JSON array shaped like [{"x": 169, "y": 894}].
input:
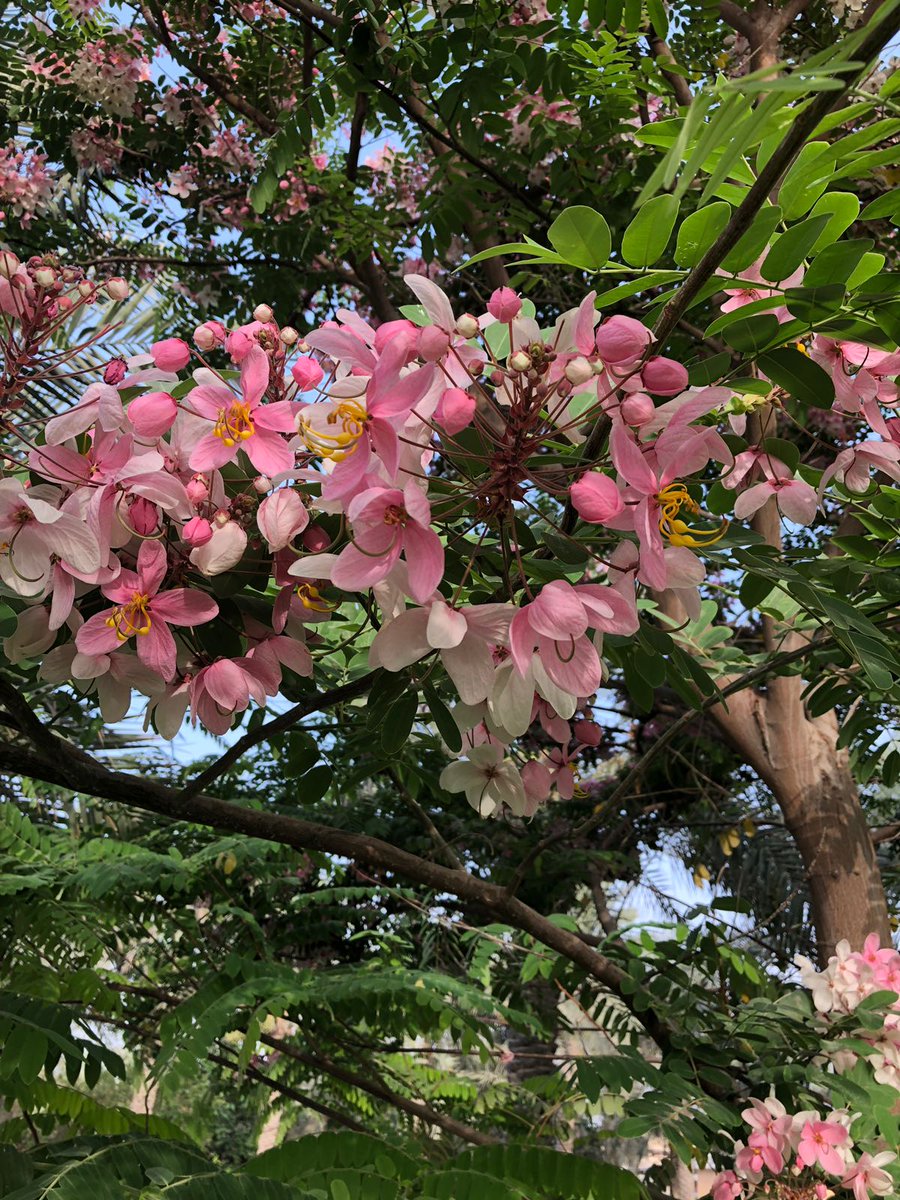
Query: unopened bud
[
  {"x": 289, "y": 336},
  {"x": 9, "y": 264},
  {"x": 467, "y": 326},
  {"x": 262, "y": 484},
  {"x": 117, "y": 288},
  {"x": 86, "y": 288},
  {"x": 520, "y": 361},
  {"x": 578, "y": 370},
  {"x": 263, "y": 313},
  {"x": 45, "y": 277},
  {"x": 222, "y": 518}
]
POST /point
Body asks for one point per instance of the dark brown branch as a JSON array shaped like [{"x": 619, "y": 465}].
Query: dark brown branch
[{"x": 676, "y": 82}]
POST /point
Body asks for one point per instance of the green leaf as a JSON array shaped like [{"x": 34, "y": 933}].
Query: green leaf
[
  {"x": 751, "y": 333},
  {"x": 314, "y": 784},
  {"x": 698, "y": 232},
  {"x": 581, "y": 236},
  {"x": 754, "y": 241},
  {"x": 442, "y": 718},
  {"x": 656, "y": 11},
  {"x": 791, "y": 248},
  {"x": 837, "y": 263},
  {"x": 806, "y": 180},
  {"x": 398, "y": 722},
  {"x": 645, "y": 240},
  {"x": 803, "y": 379},
  {"x": 887, "y": 205},
  {"x": 842, "y": 209}
]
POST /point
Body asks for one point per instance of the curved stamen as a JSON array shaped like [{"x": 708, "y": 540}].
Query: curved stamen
[
  {"x": 131, "y": 618},
  {"x": 672, "y": 499},
  {"x": 234, "y": 424}
]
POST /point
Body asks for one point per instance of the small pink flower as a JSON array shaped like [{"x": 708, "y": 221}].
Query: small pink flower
[
  {"x": 141, "y": 610},
  {"x": 866, "y": 1177},
  {"x": 307, "y": 374},
  {"x": 504, "y": 305},
  {"x": 726, "y": 1186},
  {"x": 455, "y": 410},
  {"x": 197, "y": 531},
  {"x": 818, "y": 1144},
  {"x": 596, "y": 498},
  {"x": 152, "y": 414},
  {"x": 622, "y": 340}
]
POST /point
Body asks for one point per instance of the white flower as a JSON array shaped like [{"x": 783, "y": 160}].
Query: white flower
[{"x": 488, "y": 779}]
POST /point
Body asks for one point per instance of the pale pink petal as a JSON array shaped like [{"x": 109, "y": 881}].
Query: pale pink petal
[
  {"x": 227, "y": 684},
  {"x": 433, "y": 300},
  {"x": 268, "y": 452},
  {"x": 399, "y": 396},
  {"x": 184, "y": 606},
  {"x": 424, "y": 555},
  {"x": 471, "y": 667},
  {"x": 446, "y": 627},
  {"x": 153, "y": 414},
  {"x": 573, "y": 665},
  {"x": 400, "y": 642},
  {"x": 156, "y": 649},
  {"x": 354, "y": 571},
  {"x": 281, "y": 517},
  {"x": 277, "y": 417},
  {"x": 557, "y": 612},
  {"x": 630, "y": 462},
  {"x": 208, "y": 400},
  {"x": 74, "y": 543},
  {"x": 342, "y": 347},
  {"x": 752, "y": 500},
  {"x": 255, "y": 375},
  {"x": 96, "y": 637},
  {"x": 211, "y": 452},
  {"x": 798, "y": 501},
  {"x": 63, "y": 597}
]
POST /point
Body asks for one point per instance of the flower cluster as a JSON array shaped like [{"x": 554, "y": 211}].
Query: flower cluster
[
  {"x": 108, "y": 71},
  {"x": 385, "y": 472},
  {"x": 809, "y": 1154},
  {"x": 26, "y": 184}
]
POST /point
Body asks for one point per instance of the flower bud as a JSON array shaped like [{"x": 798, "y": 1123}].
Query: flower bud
[
  {"x": 315, "y": 539},
  {"x": 637, "y": 409},
  {"x": 222, "y": 517},
  {"x": 433, "y": 343},
  {"x": 45, "y": 277},
  {"x": 115, "y": 371},
  {"x": 171, "y": 354},
  {"x": 209, "y": 335},
  {"x": 664, "y": 377},
  {"x": 224, "y": 550},
  {"x": 262, "y": 484},
  {"x": 588, "y": 732},
  {"x": 239, "y": 344},
  {"x": 197, "y": 532},
  {"x": 504, "y": 305},
  {"x": 289, "y": 336},
  {"x": 596, "y": 498},
  {"x": 467, "y": 326},
  {"x": 307, "y": 374},
  {"x": 263, "y": 313},
  {"x": 281, "y": 517},
  {"x": 9, "y": 264},
  {"x": 197, "y": 490},
  {"x": 86, "y": 288},
  {"x": 455, "y": 410},
  {"x": 578, "y": 370},
  {"x": 152, "y": 414},
  {"x": 622, "y": 340},
  {"x": 520, "y": 361},
  {"x": 144, "y": 517},
  {"x": 117, "y": 288}
]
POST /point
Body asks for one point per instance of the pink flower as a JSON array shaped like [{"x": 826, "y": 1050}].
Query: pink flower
[
  {"x": 622, "y": 340},
  {"x": 795, "y": 499},
  {"x": 34, "y": 531},
  {"x": 281, "y": 517},
  {"x": 387, "y": 523},
  {"x": 596, "y": 498},
  {"x": 726, "y": 1186},
  {"x": 197, "y": 531},
  {"x": 867, "y": 1178},
  {"x": 489, "y": 780},
  {"x": 556, "y": 623},
  {"x": 455, "y": 410},
  {"x": 463, "y": 637},
  {"x": 141, "y": 610},
  {"x": 739, "y": 297},
  {"x": 852, "y": 466},
  {"x": 244, "y": 423},
  {"x": 223, "y": 689},
  {"x": 171, "y": 354},
  {"x": 504, "y": 305},
  {"x": 222, "y": 551},
  {"x": 307, "y": 374},
  {"x": 818, "y": 1144}
]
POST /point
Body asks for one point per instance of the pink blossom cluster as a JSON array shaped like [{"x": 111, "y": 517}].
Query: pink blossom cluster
[
  {"x": 108, "y": 71},
  {"x": 341, "y": 470},
  {"x": 803, "y": 1147},
  {"x": 26, "y": 184},
  {"x": 808, "y": 1153},
  {"x": 96, "y": 150}
]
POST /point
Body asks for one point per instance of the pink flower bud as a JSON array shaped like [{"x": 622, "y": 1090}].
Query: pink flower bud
[
  {"x": 209, "y": 335},
  {"x": 467, "y": 326},
  {"x": 393, "y": 329},
  {"x": 622, "y": 340},
  {"x": 433, "y": 343},
  {"x": 664, "y": 377},
  {"x": 117, "y": 288},
  {"x": 263, "y": 313},
  {"x": 637, "y": 409},
  {"x": 171, "y": 354},
  {"x": 579, "y": 370},
  {"x": 197, "y": 532},
  {"x": 239, "y": 345},
  {"x": 152, "y": 414},
  {"x": 86, "y": 288},
  {"x": 596, "y": 498},
  {"x": 197, "y": 490},
  {"x": 281, "y": 517},
  {"x": 223, "y": 551},
  {"x": 262, "y": 484},
  {"x": 588, "y": 732},
  {"x": 9, "y": 264},
  {"x": 455, "y": 410},
  {"x": 520, "y": 361},
  {"x": 504, "y": 305},
  {"x": 45, "y": 277},
  {"x": 222, "y": 517},
  {"x": 289, "y": 336},
  {"x": 315, "y": 539},
  {"x": 115, "y": 371},
  {"x": 144, "y": 517},
  {"x": 307, "y": 374}
]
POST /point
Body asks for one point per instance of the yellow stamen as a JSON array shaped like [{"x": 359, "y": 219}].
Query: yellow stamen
[
  {"x": 130, "y": 618},
  {"x": 310, "y": 597},
  {"x": 672, "y": 499},
  {"x": 234, "y": 424},
  {"x": 351, "y": 416}
]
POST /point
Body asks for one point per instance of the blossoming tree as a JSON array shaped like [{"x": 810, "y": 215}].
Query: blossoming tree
[{"x": 479, "y": 517}]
